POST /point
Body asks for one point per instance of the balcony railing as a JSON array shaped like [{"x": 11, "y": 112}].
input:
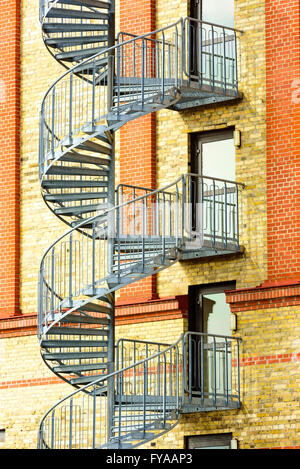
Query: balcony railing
[{"x": 204, "y": 370}]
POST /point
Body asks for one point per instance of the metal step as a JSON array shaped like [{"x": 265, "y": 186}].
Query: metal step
[
  {"x": 88, "y": 379},
  {"x": 85, "y": 159},
  {"x": 79, "y": 368},
  {"x": 79, "y": 54},
  {"x": 80, "y": 319},
  {"x": 77, "y": 331},
  {"x": 87, "y": 3},
  {"x": 74, "y": 41},
  {"x": 74, "y": 356},
  {"x": 76, "y": 171},
  {"x": 75, "y": 197},
  {"x": 93, "y": 146},
  {"x": 79, "y": 14},
  {"x": 73, "y": 343},
  {"x": 78, "y": 210},
  {"x": 58, "y": 184},
  {"x": 73, "y": 27}
]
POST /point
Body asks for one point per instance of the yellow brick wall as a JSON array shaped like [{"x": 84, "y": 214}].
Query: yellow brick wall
[
  {"x": 26, "y": 399},
  {"x": 268, "y": 392},
  {"x": 248, "y": 116}
]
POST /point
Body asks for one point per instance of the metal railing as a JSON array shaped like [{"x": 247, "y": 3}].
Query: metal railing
[
  {"x": 81, "y": 420},
  {"x": 212, "y": 372},
  {"x": 148, "y": 70},
  {"x": 154, "y": 383},
  {"x": 147, "y": 229},
  {"x": 212, "y": 55}
]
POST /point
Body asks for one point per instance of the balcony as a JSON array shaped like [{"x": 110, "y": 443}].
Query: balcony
[
  {"x": 200, "y": 59},
  {"x": 200, "y": 374}
]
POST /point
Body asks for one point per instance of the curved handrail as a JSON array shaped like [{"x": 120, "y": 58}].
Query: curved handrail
[{"x": 111, "y": 376}]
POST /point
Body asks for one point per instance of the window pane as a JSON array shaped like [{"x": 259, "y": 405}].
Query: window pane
[
  {"x": 218, "y": 159},
  {"x": 218, "y": 12},
  {"x": 216, "y": 314}
]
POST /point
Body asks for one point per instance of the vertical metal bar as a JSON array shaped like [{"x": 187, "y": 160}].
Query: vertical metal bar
[
  {"x": 53, "y": 122},
  {"x": 52, "y": 429},
  {"x": 235, "y": 64},
  {"x": 70, "y": 268},
  {"x": 71, "y": 424},
  {"x": 164, "y": 392},
  {"x": 71, "y": 107},
  {"x": 143, "y": 72},
  {"x": 163, "y": 69},
  {"x": 226, "y": 371},
  {"x": 201, "y": 56},
  {"x": 52, "y": 281},
  {"x": 214, "y": 372},
  {"x": 190, "y": 367},
  {"x": 225, "y": 214},
  {"x": 214, "y": 213},
  {"x": 144, "y": 397},
  {"x": 238, "y": 371},
  {"x": 202, "y": 370},
  {"x": 94, "y": 417},
  {"x": 213, "y": 57},
  {"x": 224, "y": 61}
]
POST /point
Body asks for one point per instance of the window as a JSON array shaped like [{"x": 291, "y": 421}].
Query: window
[
  {"x": 206, "y": 61},
  {"x": 210, "y": 314},
  {"x": 214, "y": 11},
  {"x": 213, "y": 154},
  {"x": 220, "y": 441},
  {"x": 213, "y": 201}
]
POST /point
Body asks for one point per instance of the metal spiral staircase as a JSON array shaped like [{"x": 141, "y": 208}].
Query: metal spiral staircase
[{"x": 129, "y": 393}]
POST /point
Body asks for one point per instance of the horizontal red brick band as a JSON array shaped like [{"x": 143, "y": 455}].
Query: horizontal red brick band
[
  {"x": 247, "y": 361},
  {"x": 264, "y": 296},
  {"x": 156, "y": 310}
]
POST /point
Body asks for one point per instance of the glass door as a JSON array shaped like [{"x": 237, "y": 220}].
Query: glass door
[{"x": 213, "y": 160}]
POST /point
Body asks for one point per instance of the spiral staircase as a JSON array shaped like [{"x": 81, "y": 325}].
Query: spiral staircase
[{"x": 124, "y": 395}]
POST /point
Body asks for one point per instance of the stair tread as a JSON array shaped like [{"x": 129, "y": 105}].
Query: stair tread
[
  {"x": 79, "y": 368},
  {"x": 74, "y": 41},
  {"x": 73, "y": 343},
  {"x": 77, "y": 331},
  {"x": 73, "y": 27},
  {"x": 79, "y": 54},
  {"x": 74, "y": 356},
  {"x": 78, "y": 209},
  {"x": 58, "y": 184},
  {"x": 88, "y": 379},
  {"x": 76, "y": 171},
  {"x": 80, "y": 158},
  {"x": 92, "y": 3},
  {"x": 71, "y": 13},
  {"x": 75, "y": 196},
  {"x": 76, "y": 318}
]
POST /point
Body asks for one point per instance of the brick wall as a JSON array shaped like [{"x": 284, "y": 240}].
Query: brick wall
[
  {"x": 283, "y": 141},
  {"x": 10, "y": 157},
  {"x": 138, "y": 138}
]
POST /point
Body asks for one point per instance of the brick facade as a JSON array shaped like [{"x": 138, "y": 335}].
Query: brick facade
[
  {"x": 283, "y": 142},
  {"x": 153, "y": 152},
  {"x": 138, "y": 138},
  {"x": 10, "y": 158}
]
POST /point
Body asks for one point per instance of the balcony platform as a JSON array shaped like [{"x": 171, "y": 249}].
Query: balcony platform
[
  {"x": 207, "y": 251},
  {"x": 192, "y": 95},
  {"x": 208, "y": 405}
]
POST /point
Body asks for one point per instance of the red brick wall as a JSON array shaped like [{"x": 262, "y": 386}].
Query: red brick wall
[
  {"x": 9, "y": 157},
  {"x": 283, "y": 138},
  {"x": 138, "y": 138}
]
